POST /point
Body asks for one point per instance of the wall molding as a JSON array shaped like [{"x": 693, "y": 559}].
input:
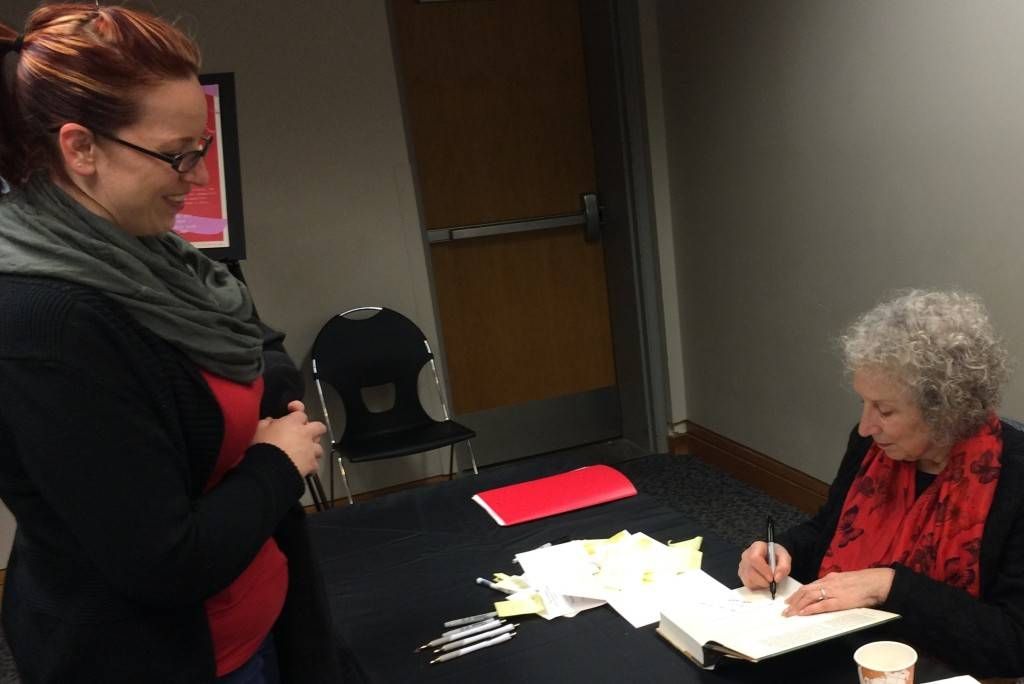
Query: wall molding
[{"x": 771, "y": 476}]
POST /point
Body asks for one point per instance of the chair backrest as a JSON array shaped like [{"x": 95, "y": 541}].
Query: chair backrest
[{"x": 352, "y": 353}]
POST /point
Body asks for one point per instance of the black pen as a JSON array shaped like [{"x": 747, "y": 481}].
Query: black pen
[{"x": 771, "y": 554}]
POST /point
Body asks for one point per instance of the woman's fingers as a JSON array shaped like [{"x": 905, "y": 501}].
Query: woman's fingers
[
  {"x": 754, "y": 571},
  {"x": 296, "y": 436},
  {"x": 808, "y": 600},
  {"x": 783, "y": 562},
  {"x": 840, "y": 591}
]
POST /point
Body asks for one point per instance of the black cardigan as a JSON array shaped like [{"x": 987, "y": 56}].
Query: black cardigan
[
  {"x": 982, "y": 636},
  {"x": 107, "y": 437}
]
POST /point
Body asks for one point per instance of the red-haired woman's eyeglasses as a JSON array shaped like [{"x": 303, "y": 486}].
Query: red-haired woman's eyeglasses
[{"x": 182, "y": 163}]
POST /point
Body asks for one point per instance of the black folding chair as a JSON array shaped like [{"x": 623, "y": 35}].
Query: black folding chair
[{"x": 370, "y": 347}]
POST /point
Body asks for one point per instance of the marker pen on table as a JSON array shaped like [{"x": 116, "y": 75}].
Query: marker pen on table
[
  {"x": 483, "y": 636},
  {"x": 470, "y": 619},
  {"x": 491, "y": 585},
  {"x": 475, "y": 647},
  {"x": 468, "y": 630}
]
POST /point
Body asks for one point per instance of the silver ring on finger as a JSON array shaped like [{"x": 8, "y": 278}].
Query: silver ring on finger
[{"x": 821, "y": 593}]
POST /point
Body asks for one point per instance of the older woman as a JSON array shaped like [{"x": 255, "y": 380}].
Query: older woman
[
  {"x": 926, "y": 515},
  {"x": 159, "y": 533}
]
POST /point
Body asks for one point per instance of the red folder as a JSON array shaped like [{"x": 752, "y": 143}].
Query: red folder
[{"x": 580, "y": 488}]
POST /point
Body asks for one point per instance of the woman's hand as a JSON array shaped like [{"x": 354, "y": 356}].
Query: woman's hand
[
  {"x": 295, "y": 435},
  {"x": 841, "y": 590},
  {"x": 754, "y": 571}
]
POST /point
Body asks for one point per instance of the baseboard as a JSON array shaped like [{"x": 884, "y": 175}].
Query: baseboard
[
  {"x": 678, "y": 443},
  {"x": 773, "y": 477}
]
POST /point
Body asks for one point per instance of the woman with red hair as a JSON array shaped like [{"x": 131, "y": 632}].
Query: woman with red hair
[{"x": 159, "y": 533}]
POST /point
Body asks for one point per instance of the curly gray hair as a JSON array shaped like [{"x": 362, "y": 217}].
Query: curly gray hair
[{"x": 941, "y": 346}]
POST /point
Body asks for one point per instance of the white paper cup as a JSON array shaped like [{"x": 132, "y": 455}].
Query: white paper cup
[{"x": 885, "y": 662}]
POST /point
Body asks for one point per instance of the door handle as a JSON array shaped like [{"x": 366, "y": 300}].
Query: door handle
[{"x": 592, "y": 218}]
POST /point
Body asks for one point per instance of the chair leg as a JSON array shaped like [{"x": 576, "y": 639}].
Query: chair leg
[
  {"x": 472, "y": 456},
  {"x": 344, "y": 479},
  {"x": 316, "y": 492},
  {"x": 451, "y": 461},
  {"x": 320, "y": 490}
]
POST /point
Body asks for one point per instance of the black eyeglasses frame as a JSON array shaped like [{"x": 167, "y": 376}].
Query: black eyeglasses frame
[{"x": 183, "y": 162}]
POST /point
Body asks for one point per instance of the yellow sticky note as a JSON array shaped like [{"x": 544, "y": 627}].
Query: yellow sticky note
[
  {"x": 688, "y": 544},
  {"x": 512, "y": 582},
  {"x": 686, "y": 559},
  {"x": 522, "y": 606}
]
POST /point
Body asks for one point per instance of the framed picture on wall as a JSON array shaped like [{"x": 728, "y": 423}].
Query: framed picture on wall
[{"x": 212, "y": 217}]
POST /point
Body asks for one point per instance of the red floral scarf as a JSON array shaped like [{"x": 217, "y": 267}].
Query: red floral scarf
[{"x": 937, "y": 534}]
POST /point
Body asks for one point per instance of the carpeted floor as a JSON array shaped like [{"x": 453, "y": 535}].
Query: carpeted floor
[
  {"x": 720, "y": 504},
  {"x": 723, "y": 505}
]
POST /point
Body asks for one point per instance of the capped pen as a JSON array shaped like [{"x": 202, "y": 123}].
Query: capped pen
[
  {"x": 471, "y": 619},
  {"x": 466, "y": 631},
  {"x": 475, "y": 647},
  {"x": 492, "y": 585},
  {"x": 490, "y": 634},
  {"x": 472, "y": 626}
]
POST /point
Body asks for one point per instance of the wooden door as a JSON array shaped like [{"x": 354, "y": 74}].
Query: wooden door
[{"x": 497, "y": 111}]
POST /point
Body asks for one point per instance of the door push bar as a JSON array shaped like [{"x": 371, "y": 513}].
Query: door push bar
[{"x": 590, "y": 218}]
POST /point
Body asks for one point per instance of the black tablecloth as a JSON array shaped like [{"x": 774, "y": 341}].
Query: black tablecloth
[{"x": 397, "y": 567}]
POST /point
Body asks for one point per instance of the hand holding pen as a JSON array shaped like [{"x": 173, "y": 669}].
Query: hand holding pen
[
  {"x": 755, "y": 571},
  {"x": 771, "y": 555}
]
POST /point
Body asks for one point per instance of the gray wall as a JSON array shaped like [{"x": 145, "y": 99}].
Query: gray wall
[
  {"x": 822, "y": 153},
  {"x": 330, "y": 205}
]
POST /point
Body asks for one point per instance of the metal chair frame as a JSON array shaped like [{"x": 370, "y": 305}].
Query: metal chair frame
[{"x": 335, "y": 452}]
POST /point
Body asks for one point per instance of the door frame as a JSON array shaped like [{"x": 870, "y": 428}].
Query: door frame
[
  {"x": 612, "y": 50},
  {"x": 618, "y": 111}
]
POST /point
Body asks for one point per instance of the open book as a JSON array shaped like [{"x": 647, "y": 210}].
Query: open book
[{"x": 706, "y": 620}]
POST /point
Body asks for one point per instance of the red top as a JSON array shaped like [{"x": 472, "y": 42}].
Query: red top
[{"x": 242, "y": 614}]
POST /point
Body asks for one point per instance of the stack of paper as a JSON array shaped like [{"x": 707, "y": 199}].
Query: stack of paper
[{"x": 631, "y": 572}]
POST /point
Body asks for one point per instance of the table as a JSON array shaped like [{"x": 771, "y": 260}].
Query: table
[{"x": 397, "y": 567}]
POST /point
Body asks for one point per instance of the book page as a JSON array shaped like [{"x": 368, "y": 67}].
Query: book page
[
  {"x": 751, "y": 623},
  {"x": 763, "y": 631},
  {"x": 698, "y": 603}
]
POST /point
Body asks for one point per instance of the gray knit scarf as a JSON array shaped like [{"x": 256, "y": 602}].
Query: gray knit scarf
[{"x": 165, "y": 283}]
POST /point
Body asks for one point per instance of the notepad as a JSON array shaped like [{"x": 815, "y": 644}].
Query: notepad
[
  {"x": 707, "y": 621},
  {"x": 546, "y": 496}
]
